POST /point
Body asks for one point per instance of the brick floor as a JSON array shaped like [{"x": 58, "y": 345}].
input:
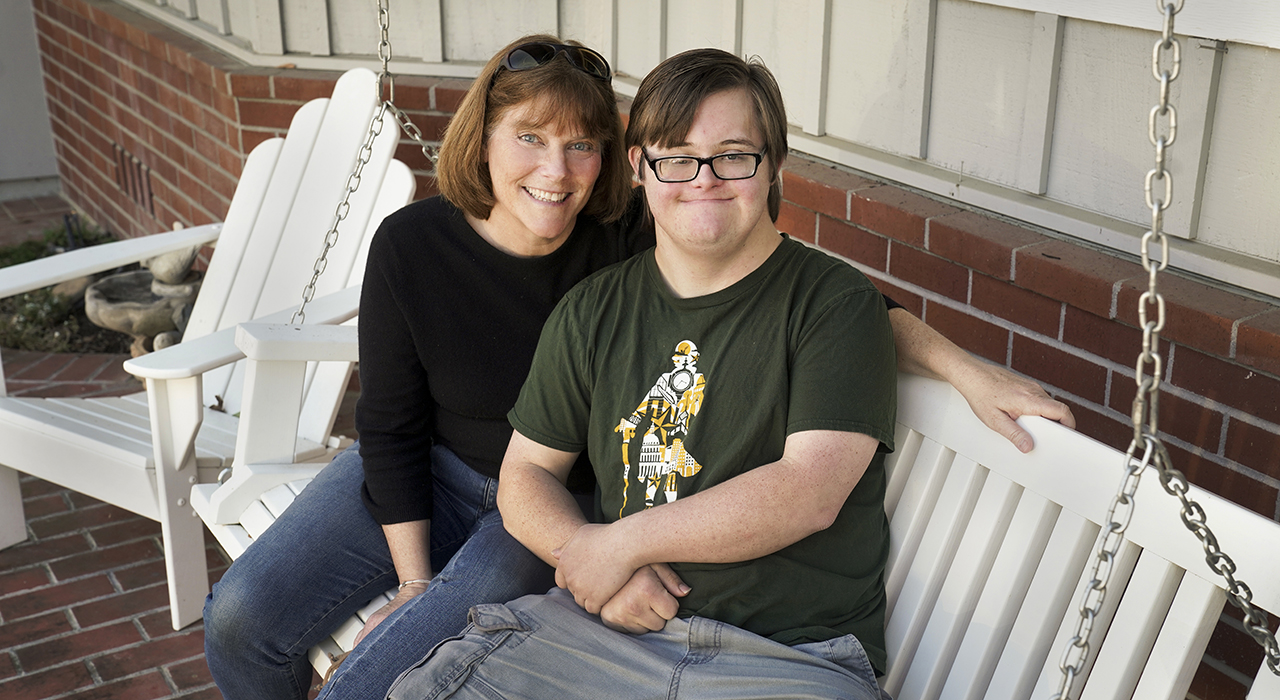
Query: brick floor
[{"x": 27, "y": 219}]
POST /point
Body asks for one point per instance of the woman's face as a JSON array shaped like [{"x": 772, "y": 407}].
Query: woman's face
[{"x": 542, "y": 178}]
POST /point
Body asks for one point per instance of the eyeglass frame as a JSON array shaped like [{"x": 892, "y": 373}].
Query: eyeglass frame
[
  {"x": 569, "y": 51},
  {"x": 709, "y": 162}
]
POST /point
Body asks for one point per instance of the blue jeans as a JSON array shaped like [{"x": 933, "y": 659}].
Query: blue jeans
[
  {"x": 325, "y": 558},
  {"x": 545, "y": 646}
]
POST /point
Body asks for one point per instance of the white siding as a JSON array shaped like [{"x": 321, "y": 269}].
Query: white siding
[{"x": 1242, "y": 186}]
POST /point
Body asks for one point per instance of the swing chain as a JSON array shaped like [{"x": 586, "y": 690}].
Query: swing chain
[
  {"x": 1146, "y": 402},
  {"x": 387, "y": 86}
]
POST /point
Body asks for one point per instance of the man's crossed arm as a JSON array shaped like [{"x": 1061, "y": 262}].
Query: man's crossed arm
[{"x": 619, "y": 570}]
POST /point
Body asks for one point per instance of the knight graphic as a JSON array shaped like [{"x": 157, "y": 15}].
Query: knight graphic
[{"x": 674, "y": 399}]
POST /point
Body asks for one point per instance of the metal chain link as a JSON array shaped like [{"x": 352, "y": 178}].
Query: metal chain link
[
  {"x": 387, "y": 86},
  {"x": 1146, "y": 403}
]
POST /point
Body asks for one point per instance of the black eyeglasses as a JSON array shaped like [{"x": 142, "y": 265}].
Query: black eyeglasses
[
  {"x": 530, "y": 56},
  {"x": 726, "y": 166}
]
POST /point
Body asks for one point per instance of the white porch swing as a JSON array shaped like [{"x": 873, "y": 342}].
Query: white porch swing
[{"x": 989, "y": 546}]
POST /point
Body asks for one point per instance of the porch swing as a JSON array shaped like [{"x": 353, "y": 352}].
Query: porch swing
[{"x": 988, "y": 545}]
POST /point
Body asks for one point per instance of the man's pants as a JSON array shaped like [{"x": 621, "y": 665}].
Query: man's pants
[{"x": 546, "y": 646}]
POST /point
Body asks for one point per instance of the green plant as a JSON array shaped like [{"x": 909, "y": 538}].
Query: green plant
[{"x": 39, "y": 321}]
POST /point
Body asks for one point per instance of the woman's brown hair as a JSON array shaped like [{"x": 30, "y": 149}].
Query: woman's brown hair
[{"x": 559, "y": 91}]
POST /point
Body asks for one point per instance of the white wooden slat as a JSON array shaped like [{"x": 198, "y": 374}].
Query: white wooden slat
[
  {"x": 277, "y": 499},
  {"x": 40, "y": 418},
  {"x": 478, "y": 28},
  {"x": 233, "y": 538},
  {"x": 642, "y": 46},
  {"x": 910, "y": 612},
  {"x": 322, "y": 655},
  {"x": 256, "y": 519},
  {"x": 246, "y": 203},
  {"x": 13, "y": 526},
  {"x": 1042, "y": 103},
  {"x": 1105, "y": 82},
  {"x": 298, "y": 486},
  {"x": 1122, "y": 655},
  {"x": 1266, "y": 684},
  {"x": 266, "y": 32},
  {"x": 1238, "y": 169},
  {"x": 965, "y": 581},
  {"x": 215, "y": 13},
  {"x": 705, "y": 24},
  {"x": 1050, "y": 674},
  {"x": 881, "y": 54},
  {"x": 345, "y": 635},
  {"x": 1183, "y": 637},
  {"x": 928, "y": 474},
  {"x": 374, "y": 605},
  {"x": 131, "y": 418},
  {"x": 1052, "y": 591},
  {"x": 906, "y": 448},
  {"x": 1002, "y": 597},
  {"x": 430, "y": 30},
  {"x": 305, "y": 25}
]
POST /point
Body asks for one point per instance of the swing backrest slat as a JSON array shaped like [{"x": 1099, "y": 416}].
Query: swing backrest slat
[{"x": 990, "y": 548}]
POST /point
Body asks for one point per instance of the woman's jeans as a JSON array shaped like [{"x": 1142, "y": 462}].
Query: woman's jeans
[{"x": 325, "y": 558}]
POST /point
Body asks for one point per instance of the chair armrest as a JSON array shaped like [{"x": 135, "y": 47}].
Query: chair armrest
[
  {"x": 199, "y": 355},
  {"x": 37, "y": 274},
  {"x": 280, "y": 342}
]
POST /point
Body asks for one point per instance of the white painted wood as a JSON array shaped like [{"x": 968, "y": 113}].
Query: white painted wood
[
  {"x": 277, "y": 499},
  {"x": 928, "y": 569},
  {"x": 906, "y": 448},
  {"x": 1002, "y": 598},
  {"x": 642, "y": 39},
  {"x": 1248, "y": 21},
  {"x": 215, "y": 13},
  {"x": 176, "y": 414},
  {"x": 919, "y": 495},
  {"x": 186, "y": 7},
  {"x": 1174, "y": 660},
  {"x": 592, "y": 22},
  {"x": 476, "y": 29},
  {"x": 880, "y": 61},
  {"x": 282, "y": 342},
  {"x": 1042, "y": 103},
  {"x": 1123, "y": 654},
  {"x": 13, "y": 527},
  {"x": 707, "y": 24},
  {"x": 983, "y": 72},
  {"x": 1239, "y": 200},
  {"x": 378, "y": 601},
  {"x": 429, "y": 30},
  {"x": 265, "y": 30},
  {"x": 1265, "y": 684},
  {"x": 305, "y": 24},
  {"x": 346, "y": 633},
  {"x": 255, "y": 519},
  {"x": 45, "y": 272},
  {"x": 1101, "y": 153},
  {"x": 965, "y": 581}
]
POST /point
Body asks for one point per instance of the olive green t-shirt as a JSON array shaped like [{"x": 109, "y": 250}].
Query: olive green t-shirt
[{"x": 671, "y": 396}]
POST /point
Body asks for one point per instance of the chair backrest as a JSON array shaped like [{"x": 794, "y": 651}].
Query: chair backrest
[
  {"x": 275, "y": 227},
  {"x": 990, "y": 547}
]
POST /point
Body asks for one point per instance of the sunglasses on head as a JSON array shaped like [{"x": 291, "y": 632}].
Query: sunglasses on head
[{"x": 530, "y": 56}]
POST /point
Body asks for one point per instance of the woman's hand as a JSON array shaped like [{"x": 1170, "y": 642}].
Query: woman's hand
[{"x": 403, "y": 596}]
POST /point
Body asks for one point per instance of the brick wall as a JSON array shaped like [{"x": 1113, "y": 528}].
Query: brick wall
[
  {"x": 1062, "y": 313},
  {"x": 152, "y": 127}
]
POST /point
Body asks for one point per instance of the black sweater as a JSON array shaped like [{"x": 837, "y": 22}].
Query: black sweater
[{"x": 448, "y": 326}]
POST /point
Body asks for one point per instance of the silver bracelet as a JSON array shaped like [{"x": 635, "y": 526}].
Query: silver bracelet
[{"x": 413, "y": 581}]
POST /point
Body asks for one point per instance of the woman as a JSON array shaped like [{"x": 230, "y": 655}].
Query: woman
[{"x": 535, "y": 196}]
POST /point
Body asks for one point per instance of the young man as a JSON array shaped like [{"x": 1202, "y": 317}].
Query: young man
[{"x": 735, "y": 391}]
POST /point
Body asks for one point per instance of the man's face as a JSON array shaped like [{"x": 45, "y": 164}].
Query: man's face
[{"x": 708, "y": 215}]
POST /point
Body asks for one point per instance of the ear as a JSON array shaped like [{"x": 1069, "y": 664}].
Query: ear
[{"x": 635, "y": 155}]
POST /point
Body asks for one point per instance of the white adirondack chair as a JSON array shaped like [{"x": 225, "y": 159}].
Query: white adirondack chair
[
  {"x": 989, "y": 548},
  {"x": 143, "y": 452}
]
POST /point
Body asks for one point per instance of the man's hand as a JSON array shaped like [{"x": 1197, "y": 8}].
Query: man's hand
[
  {"x": 403, "y": 596},
  {"x": 592, "y": 568},
  {"x": 646, "y": 602},
  {"x": 998, "y": 397}
]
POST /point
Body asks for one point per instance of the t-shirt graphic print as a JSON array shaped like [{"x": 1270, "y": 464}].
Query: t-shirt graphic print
[{"x": 664, "y": 415}]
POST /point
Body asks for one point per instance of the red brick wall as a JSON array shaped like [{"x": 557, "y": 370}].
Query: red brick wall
[
  {"x": 1062, "y": 313},
  {"x": 188, "y": 113}
]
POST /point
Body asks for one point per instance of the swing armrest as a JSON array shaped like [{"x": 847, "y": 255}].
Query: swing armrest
[
  {"x": 44, "y": 272},
  {"x": 284, "y": 343},
  {"x": 194, "y": 357}
]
